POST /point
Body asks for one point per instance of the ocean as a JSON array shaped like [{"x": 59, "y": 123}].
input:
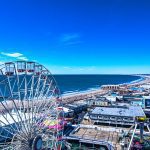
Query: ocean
[{"x": 80, "y": 83}]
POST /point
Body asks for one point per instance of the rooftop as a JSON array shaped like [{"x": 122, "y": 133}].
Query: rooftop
[
  {"x": 67, "y": 109},
  {"x": 131, "y": 111},
  {"x": 94, "y": 134}
]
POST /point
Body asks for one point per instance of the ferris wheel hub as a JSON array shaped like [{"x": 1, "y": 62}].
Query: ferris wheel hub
[{"x": 37, "y": 143}]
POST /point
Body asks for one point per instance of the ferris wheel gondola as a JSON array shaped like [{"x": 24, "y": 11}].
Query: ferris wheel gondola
[{"x": 29, "y": 114}]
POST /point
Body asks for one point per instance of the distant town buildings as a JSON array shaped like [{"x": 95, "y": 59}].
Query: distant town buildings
[{"x": 111, "y": 116}]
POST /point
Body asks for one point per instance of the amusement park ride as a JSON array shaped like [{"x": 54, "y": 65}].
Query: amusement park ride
[
  {"x": 140, "y": 142},
  {"x": 29, "y": 108}
]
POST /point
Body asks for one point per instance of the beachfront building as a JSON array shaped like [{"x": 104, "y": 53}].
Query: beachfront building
[
  {"x": 146, "y": 87},
  {"x": 135, "y": 100},
  {"x": 110, "y": 87},
  {"x": 136, "y": 89},
  {"x": 66, "y": 113},
  {"x": 116, "y": 115},
  {"x": 101, "y": 101},
  {"x": 113, "y": 97},
  {"x": 123, "y": 91},
  {"x": 77, "y": 107},
  {"x": 147, "y": 102},
  {"x": 147, "y": 106}
]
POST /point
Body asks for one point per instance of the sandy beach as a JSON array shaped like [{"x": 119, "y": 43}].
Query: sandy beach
[{"x": 80, "y": 96}]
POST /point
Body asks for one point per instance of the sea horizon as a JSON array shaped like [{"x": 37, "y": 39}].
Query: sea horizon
[
  {"x": 98, "y": 74},
  {"x": 80, "y": 83}
]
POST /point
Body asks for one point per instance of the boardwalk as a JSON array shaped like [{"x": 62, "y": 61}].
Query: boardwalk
[{"x": 82, "y": 96}]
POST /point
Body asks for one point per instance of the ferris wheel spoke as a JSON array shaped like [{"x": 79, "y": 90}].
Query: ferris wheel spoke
[
  {"x": 47, "y": 92},
  {"x": 10, "y": 125},
  {"x": 17, "y": 138},
  {"x": 30, "y": 97},
  {"x": 25, "y": 99},
  {"x": 49, "y": 105},
  {"x": 6, "y": 137},
  {"x": 37, "y": 87},
  {"x": 42, "y": 95},
  {"x": 43, "y": 88},
  {"x": 29, "y": 103},
  {"x": 34, "y": 90},
  {"x": 39, "y": 119},
  {"x": 21, "y": 146},
  {"x": 40, "y": 102},
  {"x": 20, "y": 100},
  {"x": 14, "y": 83},
  {"x": 38, "y": 92},
  {"x": 5, "y": 133},
  {"x": 21, "y": 121},
  {"x": 22, "y": 82},
  {"x": 45, "y": 115},
  {"x": 41, "y": 105},
  {"x": 2, "y": 114},
  {"x": 31, "y": 87},
  {"x": 47, "y": 101},
  {"x": 12, "y": 130},
  {"x": 5, "y": 146}
]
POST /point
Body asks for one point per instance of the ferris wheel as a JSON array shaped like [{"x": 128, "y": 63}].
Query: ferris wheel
[{"x": 29, "y": 108}]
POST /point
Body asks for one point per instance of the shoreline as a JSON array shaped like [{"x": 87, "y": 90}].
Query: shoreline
[
  {"x": 76, "y": 96},
  {"x": 76, "y": 92}
]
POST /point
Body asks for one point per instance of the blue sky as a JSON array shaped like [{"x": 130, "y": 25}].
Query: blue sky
[{"x": 77, "y": 36}]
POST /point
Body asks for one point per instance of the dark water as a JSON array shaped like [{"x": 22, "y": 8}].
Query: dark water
[{"x": 75, "y": 83}]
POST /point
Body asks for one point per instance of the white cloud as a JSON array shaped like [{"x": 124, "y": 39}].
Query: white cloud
[
  {"x": 66, "y": 67},
  {"x": 70, "y": 39},
  {"x": 12, "y": 54},
  {"x": 22, "y": 58},
  {"x": 15, "y": 55}
]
